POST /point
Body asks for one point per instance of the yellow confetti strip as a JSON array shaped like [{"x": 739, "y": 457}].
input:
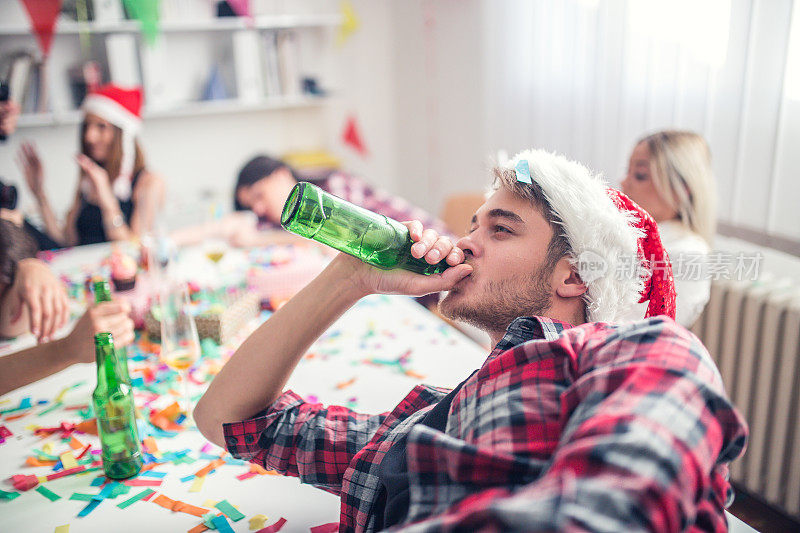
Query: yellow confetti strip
[
  {"x": 32, "y": 427},
  {"x": 42, "y": 479},
  {"x": 48, "y": 448},
  {"x": 210, "y": 503},
  {"x": 61, "y": 395},
  {"x": 62, "y": 529},
  {"x": 197, "y": 484},
  {"x": 257, "y": 522},
  {"x": 68, "y": 460}
]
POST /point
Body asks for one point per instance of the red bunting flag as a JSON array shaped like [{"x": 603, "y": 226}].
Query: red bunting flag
[
  {"x": 351, "y": 136},
  {"x": 43, "y": 15}
]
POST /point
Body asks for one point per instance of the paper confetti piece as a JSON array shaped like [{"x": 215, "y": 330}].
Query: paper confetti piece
[
  {"x": 257, "y": 521},
  {"x": 96, "y": 482},
  {"x": 199, "y": 528},
  {"x": 207, "y": 447},
  {"x": 332, "y": 527},
  {"x": 179, "y": 506},
  {"x": 50, "y": 409},
  {"x": 211, "y": 466},
  {"x": 47, "y": 493},
  {"x": 62, "y": 529},
  {"x": 523, "y": 171},
  {"x": 187, "y": 478},
  {"x": 222, "y": 524},
  {"x": 246, "y": 475},
  {"x": 210, "y": 503},
  {"x": 68, "y": 460},
  {"x": 81, "y": 496},
  {"x": 8, "y": 495},
  {"x": 150, "y": 473},
  {"x": 150, "y": 445},
  {"x": 197, "y": 484},
  {"x": 89, "y": 508},
  {"x": 229, "y": 510},
  {"x": 274, "y": 528},
  {"x": 345, "y": 384},
  {"x": 143, "y": 482},
  {"x": 75, "y": 444},
  {"x": 48, "y": 448},
  {"x": 130, "y": 501}
]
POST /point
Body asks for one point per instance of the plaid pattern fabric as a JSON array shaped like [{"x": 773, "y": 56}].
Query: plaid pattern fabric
[
  {"x": 358, "y": 192},
  {"x": 596, "y": 427}
]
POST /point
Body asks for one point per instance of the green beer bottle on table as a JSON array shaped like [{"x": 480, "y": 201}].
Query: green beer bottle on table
[
  {"x": 375, "y": 239},
  {"x": 116, "y": 420},
  {"x": 102, "y": 293}
]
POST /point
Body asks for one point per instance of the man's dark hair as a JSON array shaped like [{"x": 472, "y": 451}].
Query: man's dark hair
[
  {"x": 254, "y": 170},
  {"x": 558, "y": 246},
  {"x": 15, "y": 245}
]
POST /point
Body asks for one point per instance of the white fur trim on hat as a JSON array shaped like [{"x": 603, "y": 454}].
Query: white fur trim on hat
[
  {"x": 601, "y": 236},
  {"x": 112, "y": 111}
]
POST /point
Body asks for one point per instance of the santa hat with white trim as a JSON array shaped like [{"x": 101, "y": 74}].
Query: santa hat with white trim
[
  {"x": 123, "y": 108},
  {"x": 615, "y": 245}
]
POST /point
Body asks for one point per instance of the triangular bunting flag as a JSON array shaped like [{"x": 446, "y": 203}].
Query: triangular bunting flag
[
  {"x": 350, "y": 22},
  {"x": 351, "y": 136},
  {"x": 148, "y": 12},
  {"x": 43, "y": 15}
]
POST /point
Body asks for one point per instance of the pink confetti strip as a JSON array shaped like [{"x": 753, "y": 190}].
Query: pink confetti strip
[
  {"x": 274, "y": 528},
  {"x": 143, "y": 482},
  {"x": 333, "y": 527}
]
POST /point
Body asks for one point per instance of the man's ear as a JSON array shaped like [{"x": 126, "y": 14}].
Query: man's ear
[{"x": 568, "y": 283}]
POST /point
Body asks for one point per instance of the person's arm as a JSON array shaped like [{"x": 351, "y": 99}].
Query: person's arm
[
  {"x": 256, "y": 374},
  {"x": 148, "y": 201},
  {"x": 9, "y": 113},
  {"x": 645, "y": 448},
  {"x": 26, "y": 366},
  {"x": 38, "y": 295},
  {"x": 28, "y": 160}
]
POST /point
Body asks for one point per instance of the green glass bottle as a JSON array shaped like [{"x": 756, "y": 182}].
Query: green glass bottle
[
  {"x": 116, "y": 420},
  {"x": 102, "y": 293},
  {"x": 375, "y": 239}
]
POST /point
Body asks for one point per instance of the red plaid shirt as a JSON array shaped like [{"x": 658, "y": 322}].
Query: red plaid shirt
[{"x": 596, "y": 427}]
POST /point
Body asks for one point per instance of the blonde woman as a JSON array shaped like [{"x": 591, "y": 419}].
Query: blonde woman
[{"x": 669, "y": 175}]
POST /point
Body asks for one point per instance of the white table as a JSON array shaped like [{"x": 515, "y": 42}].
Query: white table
[{"x": 379, "y": 327}]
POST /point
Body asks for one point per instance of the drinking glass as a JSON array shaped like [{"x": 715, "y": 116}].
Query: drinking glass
[{"x": 180, "y": 345}]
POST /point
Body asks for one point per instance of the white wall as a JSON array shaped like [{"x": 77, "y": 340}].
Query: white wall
[
  {"x": 589, "y": 77},
  {"x": 205, "y": 152}
]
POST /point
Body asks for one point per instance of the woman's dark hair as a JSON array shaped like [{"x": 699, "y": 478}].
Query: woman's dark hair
[
  {"x": 254, "y": 170},
  {"x": 15, "y": 245}
]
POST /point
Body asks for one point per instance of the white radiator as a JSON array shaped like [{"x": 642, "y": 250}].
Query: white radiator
[{"x": 752, "y": 330}]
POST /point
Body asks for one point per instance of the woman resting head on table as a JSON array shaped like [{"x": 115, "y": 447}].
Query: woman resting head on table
[
  {"x": 33, "y": 299},
  {"x": 670, "y": 177},
  {"x": 117, "y": 197}
]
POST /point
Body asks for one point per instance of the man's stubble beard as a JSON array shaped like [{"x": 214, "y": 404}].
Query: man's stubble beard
[{"x": 502, "y": 301}]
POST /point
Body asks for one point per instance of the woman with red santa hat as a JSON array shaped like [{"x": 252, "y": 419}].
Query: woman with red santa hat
[{"x": 117, "y": 197}]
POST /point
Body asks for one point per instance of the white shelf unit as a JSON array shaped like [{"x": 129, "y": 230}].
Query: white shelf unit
[
  {"x": 67, "y": 27},
  {"x": 208, "y": 27}
]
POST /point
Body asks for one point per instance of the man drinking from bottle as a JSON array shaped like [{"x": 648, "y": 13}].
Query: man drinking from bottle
[{"x": 574, "y": 422}]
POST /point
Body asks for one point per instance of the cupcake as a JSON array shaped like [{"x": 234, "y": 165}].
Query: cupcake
[{"x": 123, "y": 271}]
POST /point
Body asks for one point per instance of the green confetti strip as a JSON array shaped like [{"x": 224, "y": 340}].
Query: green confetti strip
[
  {"x": 47, "y": 493},
  {"x": 229, "y": 510},
  {"x": 8, "y": 495},
  {"x": 51, "y": 408},
  {"x": 81, "y": 497},
  {"x": 130, "y": 501}
]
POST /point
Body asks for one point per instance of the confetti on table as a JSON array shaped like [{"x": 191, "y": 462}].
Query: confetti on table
[
  {"x": 274, "y": 528},
  {"x": 209, "y": 467},
  {"x": 89, "y": 508},
  {"x": 232, "y": 513},
  {"x": 150, "y": 473},
  {"x": 81, "y": 496},
  {"x": 246, "y": 475},
  {"x": 4, "y": 433},
  {"x": 62, "y": 529},
  {"x": 345, "y": 384},
  {"x": 143, "y": 482},
  {"x": 332, "y": 527},
  {"x": 197, "y": 484},
  {"x": 8, "y": 495},
  {"x": 187, "y": 478},
  {"x": 258, "y": 521},
  {"x": 222, "y": 524},
  {"x": 68, "y": 460},
  {"x": 210, "y": 503},
  {"x": 130, "y": 501},
  {"x": 47, "y": 493},
  {"x": 96, "y": 482},
  {"x": 179, "y": 506},
  {"x": 207, "y": 447}
]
